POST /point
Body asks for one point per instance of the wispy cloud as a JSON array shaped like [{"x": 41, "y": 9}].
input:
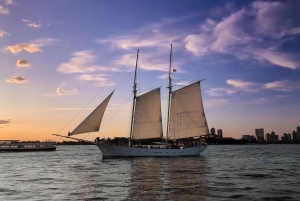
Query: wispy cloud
[
  {"x": 23, "y": 63},
  {"x": 63, "y": 92},
  {"x": 240, "y": 83},
  {"x": 182, "y": 83},
  {"x": 44, "y": 42},
  {"x": 3, "y": 10},
  {"x": 32, "y": 24},
  {"x": 10, "y": 2},
  {"x": 242, "y": 32},
  {"x": 19, "y": 47},
  {"x": 215, "y": 103},
  {"x": 70, "y": 108},
  {"x": 284, "y": 85},
  {"x": 5, "y": 121},
  {"x": 81, "y": 62},
  {"x": 3, "y": 33},
  {"x": 220, "y": 91},
  {"x": 99, "y": 79},
  {"x": 17, "y": 80}
]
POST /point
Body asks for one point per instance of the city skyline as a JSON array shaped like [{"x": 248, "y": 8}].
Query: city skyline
[{"x": 58, "y": 55}]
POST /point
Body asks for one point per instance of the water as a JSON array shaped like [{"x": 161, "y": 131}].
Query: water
[{"x": 249, "y": 172}]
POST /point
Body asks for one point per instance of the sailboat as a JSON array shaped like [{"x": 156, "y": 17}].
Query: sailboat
[{"x": 186, "y": 122}]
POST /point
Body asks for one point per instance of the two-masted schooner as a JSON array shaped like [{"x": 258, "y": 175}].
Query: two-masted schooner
[{"x": 185, "y": 120}]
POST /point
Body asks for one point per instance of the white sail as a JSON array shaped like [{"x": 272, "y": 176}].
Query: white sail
[
  {"x": 187, "y": 117},
  {"x": 93, "y": 121},
  {"x": 147, "y": 117}
]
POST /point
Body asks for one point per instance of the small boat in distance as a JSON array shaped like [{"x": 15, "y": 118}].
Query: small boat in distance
[
  {"x": 186, "y": 123},
  {"x": 17, "y": 146}
]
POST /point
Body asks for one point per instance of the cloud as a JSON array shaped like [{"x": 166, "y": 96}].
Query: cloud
[
  {"x": 45, "y": 42},
  {"x": 81, "y": 62},
  {"x": 240, "y": 83},
  {"x": 31, "y": 48},
  {"x": 10, "y": 2},
  {"x": 17, "y": 80},
  {"x": 284, "y": 85},
  {"x": 19, "y": 47},
  {"x": 5, "y": 121},
  {"x": 3, "y": 33},
  {"x": 220, "y": 91},
  {"x": 215, "y": 103},
  {"x": 70, "y": 108},
  {"x": 256, "y": 32},
  {"x": 62, "y": 92},
  {"x": 3, "y": 10},
  {"x": 32, "y": 24},
  {"x": 100, "y": 79},
  {"x": 183, "y": 83},
  {"x": 23, "y": 63}
]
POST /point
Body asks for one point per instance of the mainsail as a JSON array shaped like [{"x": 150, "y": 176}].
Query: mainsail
[
  {"x": 187, "y": 117},
  {"x": 147, "y": 122},
  {"x": 93, "y": 121}
]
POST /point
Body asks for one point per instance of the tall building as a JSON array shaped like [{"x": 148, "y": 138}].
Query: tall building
[
  {"x": 259, "y": 133},
  {"x": 268, "y": 137},
  {"x": 294, "y": 134},
  {"x": 212, "y": 131},
  {"x": 298, "y": 132},
  {"x": 220, "y": 133},
  {"x": 286, "y": 137}
]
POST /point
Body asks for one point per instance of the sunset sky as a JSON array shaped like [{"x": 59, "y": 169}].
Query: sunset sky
[{"x": 61, "y": 58}]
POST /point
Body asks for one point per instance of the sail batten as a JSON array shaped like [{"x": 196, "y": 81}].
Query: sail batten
[
  {"x": 147, "y": 121},
  {"x": 93, "y": 121},
  {"x": 187, "y": 117}
]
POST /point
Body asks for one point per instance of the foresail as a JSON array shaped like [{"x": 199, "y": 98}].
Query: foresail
[
  {"x": 93, "y": 121},
  {"x": 187, "y": 117},
  {"x": 147, "y": 117}
]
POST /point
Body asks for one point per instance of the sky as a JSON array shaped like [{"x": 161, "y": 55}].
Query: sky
[{"x": 61, "y": 58}]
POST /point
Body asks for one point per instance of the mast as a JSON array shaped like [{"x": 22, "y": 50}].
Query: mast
[
  {"x": 170, "y": 92},
  {"x": 134, "y": 96}
]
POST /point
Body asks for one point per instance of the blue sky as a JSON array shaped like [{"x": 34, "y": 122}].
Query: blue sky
[{"x": 58, "y": 55}]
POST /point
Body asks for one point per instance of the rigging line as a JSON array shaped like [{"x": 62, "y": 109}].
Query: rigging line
[
  {"x": 117, "y": 107},
  {"x": 148, "y": 81},
  {"x": 116, "y": 111},
  {"x": 155, "y": 47},
  {"x": 149, "y": 60},
  {"x": 98, "y": 94}
]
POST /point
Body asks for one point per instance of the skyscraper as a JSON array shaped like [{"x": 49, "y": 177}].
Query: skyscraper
[
  {"x": 298, "y": 132},
  {"x": 212, "y": 131},
  {"x": 259, "y": 133},
  {"x": 220, "y": 133}
]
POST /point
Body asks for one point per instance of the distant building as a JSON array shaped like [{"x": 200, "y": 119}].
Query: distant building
[
  {"x": 220, "y": 133},
  {"x": 286, "y": 137},
  {"x": 294, "y": 135},
  {"x": 268, "y": 137},
  {"x": 259, "y": 134},
  {"x": 298, "y": 132},
  {"x": 248, "y": 137},
  {"x": 212, "y": 131},
  {"x": 271, "y": 137}
]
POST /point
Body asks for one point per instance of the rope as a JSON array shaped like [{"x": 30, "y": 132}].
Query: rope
[{"x": 99, "y": 93}]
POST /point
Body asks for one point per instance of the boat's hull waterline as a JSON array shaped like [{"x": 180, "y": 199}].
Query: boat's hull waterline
[{"x": 121, "y": 151}]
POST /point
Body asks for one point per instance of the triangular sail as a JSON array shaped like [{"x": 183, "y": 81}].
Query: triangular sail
[
  {"x": 147, "y": 117},
  {"x": 187, "y": 117},
  {"x": 93, "y": 121}
]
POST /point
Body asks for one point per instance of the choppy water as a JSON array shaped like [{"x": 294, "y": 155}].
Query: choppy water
[{"x": 249, "y": 172}]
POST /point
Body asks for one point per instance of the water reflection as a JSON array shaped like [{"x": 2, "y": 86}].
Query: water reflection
[{"x": 178, "y": 178}]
